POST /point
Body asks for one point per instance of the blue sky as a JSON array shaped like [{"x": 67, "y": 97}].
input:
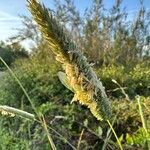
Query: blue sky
[{"x": 11, "y": 9}]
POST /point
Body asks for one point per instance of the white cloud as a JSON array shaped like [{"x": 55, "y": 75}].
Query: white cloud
[
  {"x": 8, "y": 17},
  {"x": 8, "y": 23}
]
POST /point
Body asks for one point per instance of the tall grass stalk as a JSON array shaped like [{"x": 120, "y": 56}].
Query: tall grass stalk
[
  {"x": 108, "y": 135},
  {"x": 80, "y": 138},
  {"x": 142, "y": 115},
  {"x": 118, "y": 141},
  {"x": 48, "y": 135},
  {"x": 143, "y": 121}
]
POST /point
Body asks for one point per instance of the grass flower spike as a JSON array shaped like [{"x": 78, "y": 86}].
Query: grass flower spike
[{"x": 78, "y": 76}]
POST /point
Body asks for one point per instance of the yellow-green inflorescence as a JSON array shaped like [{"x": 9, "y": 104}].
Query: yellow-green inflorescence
[{"x": 79, "y": 76}]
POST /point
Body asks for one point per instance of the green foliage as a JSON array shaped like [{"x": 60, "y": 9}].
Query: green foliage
[
  {"x": 128, "y": 119},
  {"x": 140, "y": 138},
  {"x": 39, "y": 79},
  {"x": 134, "y": 81},
  {"x": 106, "y": 74},
  {"x": 73, "y": 119},
  {"x": 139, "y": 80},
  {"x": 11, "y": 140},
  {"x": 115, "y": 46}
]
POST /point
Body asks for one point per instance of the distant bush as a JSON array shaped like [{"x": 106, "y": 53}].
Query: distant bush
[
  {"x": 134, "y": 81},
  {"x": 106, "y": 74},
  {"x": 139, "y": 80},
  {"x": 7, "y": 55},
  {"x": 10, "y": 54}
]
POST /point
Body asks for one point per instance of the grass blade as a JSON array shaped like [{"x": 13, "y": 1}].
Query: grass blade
[
  {"x": 13, "y": 111},
  {"x": 119, "y": 143},
  {"x": 48, "y": 135}
]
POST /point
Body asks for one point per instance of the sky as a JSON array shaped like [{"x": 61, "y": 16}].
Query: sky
[{"x": 11, "y": 9}]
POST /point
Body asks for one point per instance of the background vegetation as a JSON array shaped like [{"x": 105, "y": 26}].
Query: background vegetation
[{"x": 118, "y": 49}]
